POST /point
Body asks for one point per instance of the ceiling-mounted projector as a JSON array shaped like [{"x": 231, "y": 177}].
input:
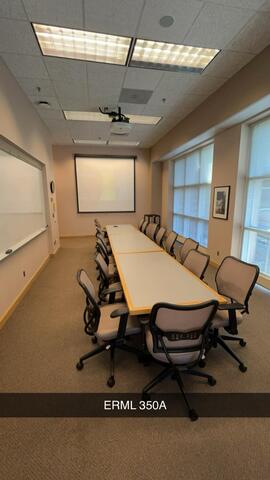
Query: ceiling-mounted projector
[{"x": 120, "y": 123}]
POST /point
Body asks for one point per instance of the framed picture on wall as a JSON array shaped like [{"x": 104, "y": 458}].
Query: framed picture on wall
[{"x": 221, "y": 202}]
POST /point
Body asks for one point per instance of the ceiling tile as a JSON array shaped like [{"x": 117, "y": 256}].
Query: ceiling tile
[
  {"x": 171, "y": 86},
  {"x": 63, "y": 13},
  {"x": 118, "y": 17},
  {"x": 12, "y": 9},
  {"x": 52, "y": 100},
  {"x": 26, "y": 66},
  {"x": 73, "y": 103},
  {"x": 255, "y": 36},
  {"x": 253, "y": 4},
  {"x": 62, "y": 70},
  {"x": 109, "y": 100},
  {"x": 31, "y": 85},
  {"x": 131, "y": 109},
  {"x": 207, "y": 85},
  {"x": 49, "y": 113},
  {"x": 142, "y": 78},
  {"x": 105, "y": 79},
  {"x": 89, "y": 130},
  {"x": 184, "y": 13},
  {"x": 217, "y": 25},
  {"x": 17, "y": 36},
  {"x": 72, "y": 90},
  {"x": 265, "y": 6},
  {"x": 227, "y": 63}
]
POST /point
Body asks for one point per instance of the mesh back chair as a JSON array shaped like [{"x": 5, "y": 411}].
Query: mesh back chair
[
  {"x": 169, "y": 242},
  {"x": 144, "y": 226},
  {"x": 176, "y": 337},
  {"x": 99, "y": 226},
  {"x": 105, "y": 242},
  {"x": 141, "y": 224},
  {"x": 109, "y": 324},
  {"x": 106, "y": 279},
  {"x": 151, "y": 230},
  {"x": 235, "y": 280},
  {"x": 160, "y": 236},
  {"x": 197, "y": 263},
  {"x": 189, "y": 244}
]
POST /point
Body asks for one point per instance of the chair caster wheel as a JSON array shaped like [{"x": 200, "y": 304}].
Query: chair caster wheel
[
  {"x": 111, "y": 382},
  {"x": 202, "y": 363},
  {"x": 212, "y": 381},
  {"x": 242, "y": 343},
  {"x": 242, "y": 367},
  {"x": 79, "y": 366},
  {"x": 146, "y": 396},
  {"x": 193, "y": 415},
  {"x": 94, "y": 340}
]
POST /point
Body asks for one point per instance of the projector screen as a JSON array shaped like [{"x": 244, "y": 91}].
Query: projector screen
[
  {"x": 22, "y": 209},
  {"x": 105, "y": 184}
]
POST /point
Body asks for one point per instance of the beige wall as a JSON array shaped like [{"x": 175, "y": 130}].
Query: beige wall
[
  {"x": 72, "y": 223},
  {"x": 247, "y": 86},
  {"x": 230, "y": 152},
  {"x": 225, "y": 168},
  {"x": 21, "y": 125}
]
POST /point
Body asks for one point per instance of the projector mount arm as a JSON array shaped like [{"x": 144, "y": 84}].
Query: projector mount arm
[{"x": 117, "y": 116}]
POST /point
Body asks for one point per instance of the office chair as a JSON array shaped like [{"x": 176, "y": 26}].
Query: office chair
[
  {"x": 99, "y": 226},
  {"x": 144, "y": 226},
  {"x": 197, "y": 263},
  {"x": 235, "y": 280},
  {"x": 176, "y": 337},
  {"x": 189, "y": 244},
  {"x": 169, "y": 242},
  {"x": 141, "y": 224},
  {"x": 109, "y": 324},
  {"x": 105, "y": 242},
  {"x": 107, "y": 278},
  {"x": 151, "y": 230},
  {"x": 160, "y": 236}
]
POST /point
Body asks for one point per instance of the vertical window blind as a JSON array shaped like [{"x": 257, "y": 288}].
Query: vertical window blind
[
  {"x": 191, "y": 194},
  {"x": 256, "y": 234}
]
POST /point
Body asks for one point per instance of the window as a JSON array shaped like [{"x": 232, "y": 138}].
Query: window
[
  {"x": 256, "y": 236},
  {"x": 191, "y": 194}
]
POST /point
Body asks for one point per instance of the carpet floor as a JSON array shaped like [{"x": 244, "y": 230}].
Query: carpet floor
[{"x": 39, "y": 347}]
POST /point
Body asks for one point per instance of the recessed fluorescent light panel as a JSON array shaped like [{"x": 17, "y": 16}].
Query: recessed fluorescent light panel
[
  {"x": 170, "y": 56},
  {"x": 99, "y": 117},
  {"x": 123, "y": 143},
  {"x": 106, "y": 142},
  {"x": 89, "y": 142},
  {"x": 82, "y": 45}
]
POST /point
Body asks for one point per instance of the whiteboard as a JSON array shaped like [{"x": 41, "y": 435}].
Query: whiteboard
[
  {"x": 22, "y": 207},
  {"x": 105, "y": 184}
]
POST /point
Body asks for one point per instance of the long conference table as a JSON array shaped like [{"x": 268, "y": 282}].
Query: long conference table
[{"x": 150, "y": 275}]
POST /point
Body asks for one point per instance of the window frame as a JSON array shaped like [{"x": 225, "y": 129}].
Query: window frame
[
  {"x": 249, "y": 179},
  {"x": 184, "y": 187}
]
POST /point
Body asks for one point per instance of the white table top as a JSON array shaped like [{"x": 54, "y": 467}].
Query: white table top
[
  {"x": 148, "y": 278},
  {"x": 132, "y": 242},
  {"x": 121, "y": 229}
]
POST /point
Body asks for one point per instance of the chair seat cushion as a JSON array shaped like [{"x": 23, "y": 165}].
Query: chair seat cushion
[
  {"x": 108, "y": 327},
  {"x": 177, "y": 358},
  {"x": 221, "y": 319}
]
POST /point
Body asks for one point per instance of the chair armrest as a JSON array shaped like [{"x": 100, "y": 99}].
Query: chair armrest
[
  {"x": 120, "y": 312},
  {"x": 114, "y": 287},
  {"x": 231, "y": 306},
  {"x": 123, "y": 314}
]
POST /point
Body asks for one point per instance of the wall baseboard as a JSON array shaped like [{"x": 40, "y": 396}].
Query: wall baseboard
[{"x": 23, "y": 292}]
